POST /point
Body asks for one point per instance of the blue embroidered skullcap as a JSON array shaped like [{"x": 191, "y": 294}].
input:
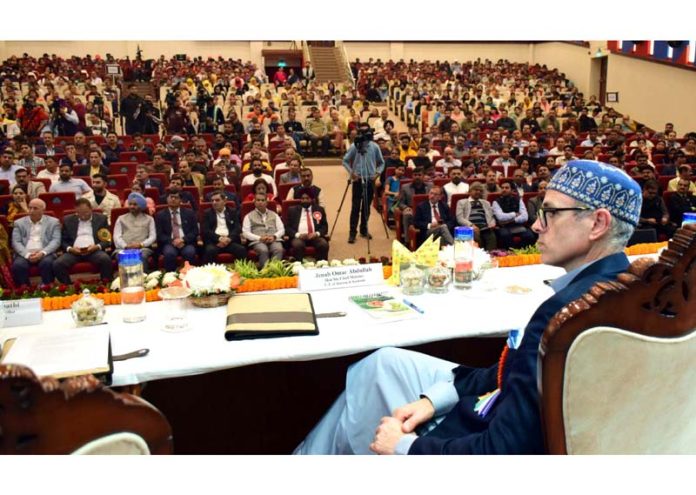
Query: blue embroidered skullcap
[
  {"x": 139, "y": 200},
  {"x": 601, "y": 186}
]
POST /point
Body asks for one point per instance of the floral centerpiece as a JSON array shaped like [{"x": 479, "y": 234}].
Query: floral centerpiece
[{"x": 211, "y": 285}]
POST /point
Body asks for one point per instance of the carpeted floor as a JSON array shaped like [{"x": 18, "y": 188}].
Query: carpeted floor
[{"x": 330, "y": 175}]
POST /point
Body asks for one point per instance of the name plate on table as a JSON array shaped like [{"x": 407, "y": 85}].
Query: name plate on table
[
  {"x": 21, "y": 312},
  {"x": 340, "y": 277}
]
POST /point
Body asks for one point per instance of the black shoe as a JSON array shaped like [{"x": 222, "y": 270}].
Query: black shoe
[
  {"x": 351, "y": 239},
  {"x": 366, "y": 236}
]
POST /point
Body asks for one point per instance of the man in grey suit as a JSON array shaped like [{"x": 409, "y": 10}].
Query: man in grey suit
[
  {"x": 405, "y": 198},
  {"x": 86, "y": 237},
  {"x": 35, "y": 239},
  {"x": 33, "y": 189},
  {"x": 477, "y": 213}
]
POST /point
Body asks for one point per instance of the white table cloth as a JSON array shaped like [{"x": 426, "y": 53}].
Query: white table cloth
[{"x": 470, "y": 313}]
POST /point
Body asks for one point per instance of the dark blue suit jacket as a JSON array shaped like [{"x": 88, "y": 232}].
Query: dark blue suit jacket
[
  {"x": 424, "y": 215},
  {"x": 513, "y": 425},
  {"x": 163, "y": 224}
]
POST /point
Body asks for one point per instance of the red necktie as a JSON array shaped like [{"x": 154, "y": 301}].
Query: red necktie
[
  {"x": 176, "y": 231},
  {"x": 436, "y": 214},
  {"x": 310, "y": 224}
]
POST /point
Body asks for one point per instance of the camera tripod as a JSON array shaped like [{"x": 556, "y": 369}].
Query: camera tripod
[{"x": 365, "y": 212}]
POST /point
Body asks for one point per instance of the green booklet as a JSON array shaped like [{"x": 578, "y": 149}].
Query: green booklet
[{"x": 383, "y": 306}]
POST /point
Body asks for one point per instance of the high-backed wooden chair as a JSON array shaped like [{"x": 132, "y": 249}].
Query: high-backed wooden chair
[
  {"x": 78, "y": 415},
  {"x": 617, "y": 367}
]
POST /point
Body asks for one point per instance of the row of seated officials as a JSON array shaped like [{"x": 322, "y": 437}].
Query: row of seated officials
[
  {"x": 502, "y": 210},
  {"x": 55, "y": 247}
]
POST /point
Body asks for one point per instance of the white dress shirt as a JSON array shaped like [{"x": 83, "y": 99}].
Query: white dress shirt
[
  {"x": 34, "y": 244},
  {"x": 85, "y": 236},
  {"x": 221, "y": 228}
]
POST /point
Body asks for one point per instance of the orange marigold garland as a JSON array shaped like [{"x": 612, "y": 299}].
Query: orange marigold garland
[{"x": 501, "y": 365}]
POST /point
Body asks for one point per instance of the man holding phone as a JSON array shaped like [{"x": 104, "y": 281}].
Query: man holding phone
[{"x": 86, "y": 237}]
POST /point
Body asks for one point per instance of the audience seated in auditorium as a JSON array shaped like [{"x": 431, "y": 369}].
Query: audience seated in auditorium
[
  {"x": 85, "y": 237},
  {"x": 177, "y": 231},
  {"x": 682, "y": 201},
  {"x": 654, "y": 214},
  {"x": 35, "y": 240},
  {"x": 477, "y": 213},
  {"x": 136, "y": 229},
  {"x": 221, "y": 229},
  {"x": 31, "y": 188},
  {"x": 257, "y": 173},
  {"x": 8, "y": 168},
  {"x": 307, "y": 225},
  {"x": 511, "y": 217},
  {"x": 405, "y": 199},
  {"x": 433, "y": 217},
  {"x": 68, "y": 183},
  {"x": 264, "y": 230}
]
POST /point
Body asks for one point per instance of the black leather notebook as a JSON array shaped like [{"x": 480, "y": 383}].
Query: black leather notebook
[{"x": 252, "y": 316}]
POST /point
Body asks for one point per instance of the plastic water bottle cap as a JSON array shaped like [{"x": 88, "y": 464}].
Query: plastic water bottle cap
[
  {"x": 463, "y": 233},
  {"x": 689, "y": 218},
  {"x": 129, "y": 257}
]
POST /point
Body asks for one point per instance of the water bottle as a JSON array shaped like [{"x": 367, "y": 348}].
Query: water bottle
[
  {"x": 463, "y": 257},
  {"x": 689, "y": 218},
  {"x": 130, "y": 271}
]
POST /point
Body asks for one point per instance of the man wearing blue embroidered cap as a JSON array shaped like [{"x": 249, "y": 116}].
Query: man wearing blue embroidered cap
[{"x": 399, "y": 402}]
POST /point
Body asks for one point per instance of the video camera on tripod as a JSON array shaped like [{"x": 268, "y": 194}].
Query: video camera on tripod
[{"x": 364, "y": 136}]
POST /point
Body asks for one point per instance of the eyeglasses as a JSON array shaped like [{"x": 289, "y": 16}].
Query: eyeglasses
[{"x": 542, "y": 213}]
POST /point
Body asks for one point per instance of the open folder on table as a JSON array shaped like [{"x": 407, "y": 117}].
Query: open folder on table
[
  {"x": 253, "y": 316},
  {"x": 63, "y": 353}
]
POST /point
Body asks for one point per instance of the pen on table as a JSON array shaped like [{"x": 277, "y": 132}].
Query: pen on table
[{"x": 413, "y": 306}]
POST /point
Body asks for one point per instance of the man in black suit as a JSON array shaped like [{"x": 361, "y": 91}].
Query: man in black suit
[
  {"x": 221, "y": 229},
  {"x": 86, "y": 237},
  {"x": 177, "y": 230},
  {"x": 112, "y": 149},
  {"x": 681, "y": 202},
  {"x": 519, "y": 183},
  {"x": 219, "y": 187},
  {"x": 143, "y": 176},
  {"x": 433, "y": 217},
  {"x": 307, "y": 226},
  {"x": 92, "y": 168},
  {"x": 176, "y": 184}
]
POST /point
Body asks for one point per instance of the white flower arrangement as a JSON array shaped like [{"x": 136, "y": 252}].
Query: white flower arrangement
[
  {"x": 116, "y": 284},
  {"x": 296, "y": 267},
  {"x": 168, "y": 278},
  {"x": 208, "y": 279},
  {"x": 156, "y": 275},
  {"x": 151, "y": 283}
]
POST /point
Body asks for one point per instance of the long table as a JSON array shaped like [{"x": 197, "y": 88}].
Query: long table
[{"x": 203, "y": 349}]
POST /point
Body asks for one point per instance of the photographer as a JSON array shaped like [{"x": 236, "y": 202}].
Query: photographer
[
  {"x": 365, "y": 163},
  {"x": 152, "y": 120},
  {"x": 132, "y": 111},
  {"x": 211, "y": 115},
  {"x": 64, "y": 120}
]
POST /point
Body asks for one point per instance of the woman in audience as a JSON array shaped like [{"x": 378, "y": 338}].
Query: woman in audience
[
  {"x": 260, "y": 187},
  {"x": 529, "y": 175},
  {"x": 17, "y": 205}
]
